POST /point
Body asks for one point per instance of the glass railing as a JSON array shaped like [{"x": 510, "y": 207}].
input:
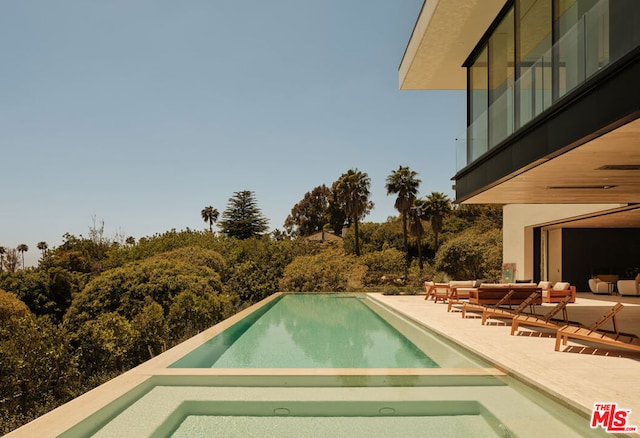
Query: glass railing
[
  {"x": 577, "y": 56},
  {"x": 535, "y": 89},
  {"x": 461, "y": 151}
]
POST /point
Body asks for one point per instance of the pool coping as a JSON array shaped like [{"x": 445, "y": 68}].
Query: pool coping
[{"x": 570, "y": 379}]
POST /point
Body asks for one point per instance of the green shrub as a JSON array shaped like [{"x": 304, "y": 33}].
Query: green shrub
[
  {"x": 106, "y": 342},
  {"x": 124, "y": 290},
  {"x": 472, "y": 255},
  {"x": 252, "y": 282},
  {"x": 197, "y": 256},
  {"x": 329, "y": 271},
  {"x": 38, "y": 369},
  {"x": 11, "y": 305},
  {"x": 383, "y": 266}
]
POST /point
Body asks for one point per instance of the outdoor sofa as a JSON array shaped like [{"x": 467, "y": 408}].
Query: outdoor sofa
[{"x": 489, "y": 294}]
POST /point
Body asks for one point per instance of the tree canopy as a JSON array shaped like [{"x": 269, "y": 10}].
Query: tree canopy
[
  {"x": 311, "y": 214},
  {"x": 352, "y": 191},
  {"x": 437, "y": 206},
  {"x": 210, "y": 215},
  {"x": 242, "y": 218},
  {"x": 404, "y": 183}
]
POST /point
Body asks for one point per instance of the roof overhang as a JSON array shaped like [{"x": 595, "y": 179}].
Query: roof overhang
[
  {"x": 445, "y": 33},
  {"x": 622, "y": 217},
  {"x": 604, "y": 170}
]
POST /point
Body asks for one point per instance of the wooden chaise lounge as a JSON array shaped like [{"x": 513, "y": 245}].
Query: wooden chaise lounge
[
  {"x": 596, "y": 335},
  {"x": 469, "y": 307},
  {"x": 546, "y": 321},
  {"x": 509, "y": 314}
]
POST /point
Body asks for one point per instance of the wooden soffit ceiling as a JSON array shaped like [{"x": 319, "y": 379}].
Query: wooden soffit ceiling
[
  {"x": 604, "y": 170},
  {"x": 626, "y": 217}
]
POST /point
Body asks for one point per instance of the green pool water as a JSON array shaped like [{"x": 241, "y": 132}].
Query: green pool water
[
  {"x": 311, "y": 331},
  {"x": 330, "y": 427},
  {"x": 341, "y": 419},
  {"x": 440, "y": 411}
]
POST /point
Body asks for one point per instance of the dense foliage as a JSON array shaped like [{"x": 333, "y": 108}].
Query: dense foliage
[
  {"x": 404, "y": 183},
  {"x": 331, "y": 270},
  {"x": 352, "y": 192},
  {"x": 472, "y": 255},
  {"x": 243, "y": 218},
  {"x": 312, "y": 213},
  {"x": 95, "y": 307}
]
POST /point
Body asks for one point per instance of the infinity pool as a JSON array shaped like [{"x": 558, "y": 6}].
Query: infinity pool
[
  {"x": 311, "y": 331},
  {"x": 321, "y": 365}
]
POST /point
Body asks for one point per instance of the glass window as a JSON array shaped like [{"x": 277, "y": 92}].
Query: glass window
[
  {"x": 478, "y": 104},
  {"x": 501, "y": 80},
  {"x": 539, "y": 51},
  {"x": 534, "y": 60},
  {"x": 583, "y": 43}
]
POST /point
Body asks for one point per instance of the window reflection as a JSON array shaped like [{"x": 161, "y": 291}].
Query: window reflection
[{"x": 521, "y": 71}]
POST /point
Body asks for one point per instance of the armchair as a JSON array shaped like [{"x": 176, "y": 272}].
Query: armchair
[
  {"x": 460, "y": 289},
  {"x": 557, "y": 293},
  {"x": 629, "y": 287},
  {"x": 598, "y": 286}
]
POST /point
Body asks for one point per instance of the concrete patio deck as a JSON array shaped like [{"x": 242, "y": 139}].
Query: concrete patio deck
[{"x": 578, "y": 375}]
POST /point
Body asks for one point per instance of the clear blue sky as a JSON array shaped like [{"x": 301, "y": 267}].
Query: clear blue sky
[{"x": 140, "y": 113}]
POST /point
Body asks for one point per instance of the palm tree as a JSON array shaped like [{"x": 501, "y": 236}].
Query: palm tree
[
  {"x": 438, "y": 206},
  {"x": 403, "y": 182},
  {"x": 416, "y": 213},
  {"x": 352, "y": 191},
  {"x": 3, "y": 251},
  {"x": 210, "y": 214},
  {"x": 22, "y": 248},
  {"x": 42, "y": 246}
]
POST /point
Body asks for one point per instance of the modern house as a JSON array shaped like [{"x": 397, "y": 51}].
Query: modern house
[{"x": 553, "y": 128}]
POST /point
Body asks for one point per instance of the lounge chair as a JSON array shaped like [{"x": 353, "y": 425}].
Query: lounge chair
[
  {"x": 597, "y": 335},
  {"x": 556, "y": 293},
  {"x": 508, "y": 313},
  {"x": 460, "y": 289},
  {"x": 440, "y": 291},
  {"x": 452, "y": 301},
  {"x": 469, "y": 307},
  {"x": 428, "y": 288},
  {"x": 543, "y": 321}
]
